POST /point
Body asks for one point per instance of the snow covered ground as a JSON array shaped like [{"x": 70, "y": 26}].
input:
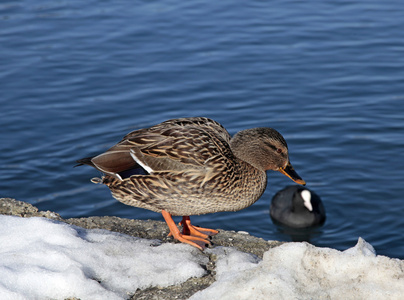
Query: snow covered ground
[{"x": 46, "y": 259}]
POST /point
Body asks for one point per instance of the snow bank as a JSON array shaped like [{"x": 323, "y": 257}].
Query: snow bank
[
  {"x": 41, "y": 258},
  {"x": 302, "y": 271},
  {"x": 46, "y": 259}
]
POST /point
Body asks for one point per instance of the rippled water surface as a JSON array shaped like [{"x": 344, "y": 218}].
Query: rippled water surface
[{"x": 76, "y": 76}]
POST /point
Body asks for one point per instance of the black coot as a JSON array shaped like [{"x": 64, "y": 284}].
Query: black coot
[{"x": 298, "y": 207}]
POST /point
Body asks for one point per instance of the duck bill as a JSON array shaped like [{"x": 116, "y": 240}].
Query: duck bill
[{"x": 291, "y": 173}]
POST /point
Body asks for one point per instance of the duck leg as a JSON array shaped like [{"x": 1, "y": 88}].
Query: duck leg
[
  {"x": 195, "y": 241},
  {"x": 189, "y": 229}
]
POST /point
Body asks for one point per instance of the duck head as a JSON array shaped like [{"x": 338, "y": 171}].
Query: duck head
[{"x": 265, "y": 149}]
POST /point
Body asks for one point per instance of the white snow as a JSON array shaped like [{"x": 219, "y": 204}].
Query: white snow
[
  {"x": 45, "y": 259},
  {"x": 42, "y": 259},
  {"x": 302, "y": 271}
]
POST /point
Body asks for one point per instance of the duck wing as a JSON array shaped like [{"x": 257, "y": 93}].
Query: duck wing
[{"x": 175, "y": 146}]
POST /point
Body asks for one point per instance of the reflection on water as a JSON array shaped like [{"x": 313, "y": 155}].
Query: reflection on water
[{"x": 300, "y": 234}]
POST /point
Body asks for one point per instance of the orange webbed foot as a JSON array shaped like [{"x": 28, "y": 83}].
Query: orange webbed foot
[
  {"x": 192, "y": 235},
  {"x": 189, "y": 229}
]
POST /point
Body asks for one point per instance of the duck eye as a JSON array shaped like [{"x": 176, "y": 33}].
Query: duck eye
[{"x": 279, "y": 150}]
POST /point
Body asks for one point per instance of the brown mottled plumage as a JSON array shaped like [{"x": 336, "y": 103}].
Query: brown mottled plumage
[{"x": 192, "y": 166}]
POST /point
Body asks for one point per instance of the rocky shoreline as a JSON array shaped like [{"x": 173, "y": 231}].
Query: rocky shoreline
[{"x": 150, "y": 230}]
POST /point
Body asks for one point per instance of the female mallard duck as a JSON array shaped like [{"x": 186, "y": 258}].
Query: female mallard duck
[{"x": 192, "y": 166}]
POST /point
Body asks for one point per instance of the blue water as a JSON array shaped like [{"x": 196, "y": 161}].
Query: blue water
[{"x": 76, "y": 76}]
